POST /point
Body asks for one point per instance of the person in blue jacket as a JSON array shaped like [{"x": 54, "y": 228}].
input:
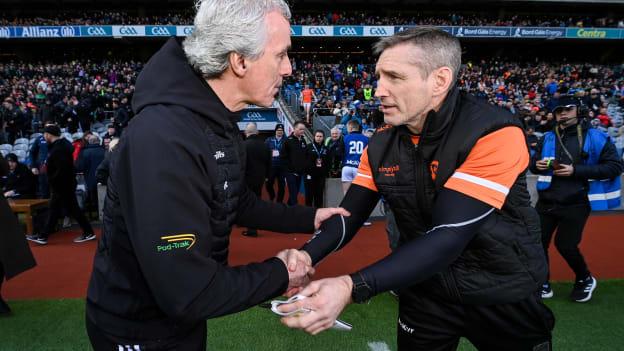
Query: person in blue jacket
[{"x": 579, "y": 171}]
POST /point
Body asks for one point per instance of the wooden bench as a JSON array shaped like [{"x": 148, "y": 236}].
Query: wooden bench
[{"x": 28, "y": 207}]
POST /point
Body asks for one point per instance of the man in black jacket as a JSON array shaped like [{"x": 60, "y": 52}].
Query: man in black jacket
[
  {"x": 258, "y": 164},
  {"x": 452, "y": 169},
  {"x": 20, "y": 182},
  {"x": 177, "y": 187},
  {"x": 294, "y": 155},
  {"x": 62, "y": 181},
  {"x": 88, "y": 162}
]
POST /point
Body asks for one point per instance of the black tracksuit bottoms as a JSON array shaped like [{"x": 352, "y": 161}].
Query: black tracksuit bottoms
[
  {"x": 432, "y": 324},
  {"x": 569, "y": 221}
]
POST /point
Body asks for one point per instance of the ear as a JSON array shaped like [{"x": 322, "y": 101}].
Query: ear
[
  {"x": 442, "y": 79},
  {"x": 237, "y": 64}
]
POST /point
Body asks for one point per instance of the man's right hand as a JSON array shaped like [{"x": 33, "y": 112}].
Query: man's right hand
[
  {"x": 542, "y": 165},
  {"x": 299, "y": 266}
]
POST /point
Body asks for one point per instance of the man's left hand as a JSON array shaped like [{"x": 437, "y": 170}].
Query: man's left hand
[
  {"x": 324, "y": 213},
  {"x": 564, "y": 171},
  {"x": 326, "y": 298}
]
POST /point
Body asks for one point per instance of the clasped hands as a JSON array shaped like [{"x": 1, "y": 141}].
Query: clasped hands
[{"x": 325, "y": 298}]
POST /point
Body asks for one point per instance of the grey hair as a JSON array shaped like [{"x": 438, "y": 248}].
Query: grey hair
[
  {"x": 251, "y": 128},
  {"x": 226, "y": 26},
  {"x": 336, "y": 129},
  {"x": 440, "y": 49}
]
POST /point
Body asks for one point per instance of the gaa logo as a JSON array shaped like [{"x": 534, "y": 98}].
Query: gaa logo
[
  {"x": 254, "y": 115},
  {"x": 96, "y": 31},
  {"x": 378, "y": 31},
  {"x": 188, "y": 30},
  {"x": 128, "y": 31},
  {"x": 68, "y": 31},
  {"x": 317, "y": 31},
  {"x": 5, "y": 32},
  {"x": 160, "y": 31},
  {"x": 347, "y": 31}
]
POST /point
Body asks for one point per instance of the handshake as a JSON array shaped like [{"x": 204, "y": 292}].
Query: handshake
[
  {"x": 324, "y": 299},
  {"x": 300, "y": 270}
]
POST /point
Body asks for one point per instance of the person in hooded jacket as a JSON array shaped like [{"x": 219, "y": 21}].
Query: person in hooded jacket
[{"x": 177, "y": 186}]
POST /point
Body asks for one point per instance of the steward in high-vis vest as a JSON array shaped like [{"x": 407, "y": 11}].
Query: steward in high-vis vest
[
  {"x": 452, "y": 169},
  {"x": 579, "y": 171}
]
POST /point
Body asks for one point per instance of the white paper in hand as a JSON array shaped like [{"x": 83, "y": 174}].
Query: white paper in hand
[{"x": 338, "y": 324}]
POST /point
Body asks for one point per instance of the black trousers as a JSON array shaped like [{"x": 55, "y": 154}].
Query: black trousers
[
  {"x": 256, "y": 189},
  {"x": 294, "y": 184},
  {"x": 276, "y": 173},
  {"x": 195, "y": 340},
  {"x": 314, "y": 188},
  {"x": 430, "y": 324},
  {"x": 569, "y": 221},
  {"x": 60, "y": 200}
]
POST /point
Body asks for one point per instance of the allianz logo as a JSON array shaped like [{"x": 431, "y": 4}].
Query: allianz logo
[
  {"x": 348, "y": 31},
  {"x": 128, "y": 31},
  {"x": 254, "y": 115},
  {"x": 68, "y": 32},
  {"x": 317, "y": 31},
  {"x": 5, "y": 32},
  {"x": 378, "y": 31},
  {"x": 96, "y": 31},
  {"x": 160, "y": 31}
]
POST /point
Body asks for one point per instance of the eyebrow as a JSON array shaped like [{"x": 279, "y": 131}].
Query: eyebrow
[
  {"x": 285, "y": 51},
  {"x": 390, "y": 73}
]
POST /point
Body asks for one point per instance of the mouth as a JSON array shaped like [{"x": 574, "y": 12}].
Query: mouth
[{"x": 386, "y": 108}]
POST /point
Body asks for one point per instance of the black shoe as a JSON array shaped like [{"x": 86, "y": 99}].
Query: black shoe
[
  {"x": 583, "y": 289},
  {"x": 4, "y": 308},
  {"x": 85, "y": 237},
  {"x": 37, "y": 239},
  {"x": 250, "y": 233}
]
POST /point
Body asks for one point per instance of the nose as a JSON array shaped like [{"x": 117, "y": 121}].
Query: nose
[
  {"x": 381, "y": 90},
  {"x": 286, "y": 69}
]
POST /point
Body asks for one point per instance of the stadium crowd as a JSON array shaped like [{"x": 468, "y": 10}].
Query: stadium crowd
[{"x": 185, "y": 17}]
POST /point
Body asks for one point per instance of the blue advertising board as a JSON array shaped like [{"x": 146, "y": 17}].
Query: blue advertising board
[
  {"x": 96, "y": 31},
  {"x": 120, "y": 31},
  {"x": 265, "y": 118}
]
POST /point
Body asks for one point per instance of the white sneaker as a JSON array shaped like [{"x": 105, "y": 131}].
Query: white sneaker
[{"x": 367, "y": 224}]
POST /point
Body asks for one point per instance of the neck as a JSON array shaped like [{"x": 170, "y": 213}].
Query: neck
[
  {"x": 227, "y": 91},
  {"x": 435, "y": 105}
]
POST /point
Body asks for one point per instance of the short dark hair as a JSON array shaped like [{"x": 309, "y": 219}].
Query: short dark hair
[
  {"x": 440, "y": 48},
  {"x": 298, "y": 123},
  {"x": 319, "y": 131}
]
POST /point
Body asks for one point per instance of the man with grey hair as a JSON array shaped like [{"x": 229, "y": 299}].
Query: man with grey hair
[
  {"x": 177, "y": 187},
  {"x": 452, "y": 169}
]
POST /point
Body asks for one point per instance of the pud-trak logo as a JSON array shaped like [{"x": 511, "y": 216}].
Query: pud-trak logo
[{"x": 175, "y": 242}]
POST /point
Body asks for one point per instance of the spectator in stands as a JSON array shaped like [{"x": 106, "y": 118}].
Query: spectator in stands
[
  {"x": 177, "y": 187},
  {"x": 121, "y": 117},
  {"x": 257, "y": 166},
  {"x": 335, "y": 152},
  {"x": 62, "y": 182},
  {"x": 111, "y": 132},
  {"x": 20, "y": 182},
  {"x": 15, "y": 255},
  {"x": 103, "y": 171},
  {"x": 605, "y": 120},
  {"x": 317, "y": 169},
  {"x": 277, "y": 172},
  {"x": 567, "y": 160},
  {"x": 10, "y": 119},
  {"x": 294, "y": 156},
  {"x": 88, "y": 162}
]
